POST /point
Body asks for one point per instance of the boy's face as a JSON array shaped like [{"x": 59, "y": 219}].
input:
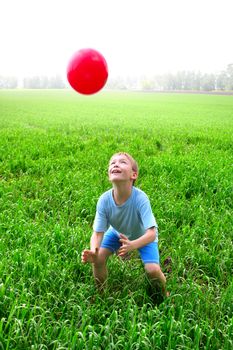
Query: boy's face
[{"x": 120, "y": 169}]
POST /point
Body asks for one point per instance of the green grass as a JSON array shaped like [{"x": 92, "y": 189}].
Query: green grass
[{"x": 54, "y": 151}]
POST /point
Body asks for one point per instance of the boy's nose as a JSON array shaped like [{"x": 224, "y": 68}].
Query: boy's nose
[{"x": 116, "y": 166}]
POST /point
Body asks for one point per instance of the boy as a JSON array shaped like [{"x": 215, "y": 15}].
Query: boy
[{"x": 124, "y": 221}]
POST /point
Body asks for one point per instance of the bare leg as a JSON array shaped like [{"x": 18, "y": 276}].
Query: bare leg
[
  {"x": 156, "y": 277},
  {"x": 100, "y": 271}
]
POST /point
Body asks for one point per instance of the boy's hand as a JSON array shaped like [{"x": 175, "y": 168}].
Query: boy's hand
[
  {"x": 127, "y": 245},
  {"x": 88, "y": 256}
]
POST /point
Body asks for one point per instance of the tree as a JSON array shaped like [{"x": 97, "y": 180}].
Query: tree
[
  {"x": 196, "y": 84},
  {"x": 229, "y": 73},
  {"x": 32, "y": 82},
  {"x": 147, "y": 84},
  {"x": 221, "y": 81},
  {"x": 43, "y": 82},
  {"x": 8, "y": 82},
  {"x": 208, "y": 82},
  {"x": 56, "y": 82}
]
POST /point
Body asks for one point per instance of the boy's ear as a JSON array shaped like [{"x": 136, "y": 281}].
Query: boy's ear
[{"x": 134, "y": 175}]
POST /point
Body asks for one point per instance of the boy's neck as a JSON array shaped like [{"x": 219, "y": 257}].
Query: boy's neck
[{"x": 121, "y": 192}]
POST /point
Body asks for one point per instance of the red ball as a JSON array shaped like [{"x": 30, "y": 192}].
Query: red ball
[{"x": 87, "y": 71}]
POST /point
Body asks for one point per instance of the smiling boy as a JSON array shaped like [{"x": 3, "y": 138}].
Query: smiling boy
[{"x": 124, "y": 222}]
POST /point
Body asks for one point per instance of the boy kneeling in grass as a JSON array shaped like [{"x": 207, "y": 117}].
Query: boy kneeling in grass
[{"x": 124, "y": 222}]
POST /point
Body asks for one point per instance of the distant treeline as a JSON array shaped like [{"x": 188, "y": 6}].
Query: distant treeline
[
  {"x": 182, "y": 80},
  {"x": 33, "y": 82}
]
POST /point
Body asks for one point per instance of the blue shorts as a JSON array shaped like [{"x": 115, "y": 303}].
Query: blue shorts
[{"x": 149, "y": 253}]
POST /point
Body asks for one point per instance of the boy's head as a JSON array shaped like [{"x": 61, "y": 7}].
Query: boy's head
[{"x": 122, "y": 167}]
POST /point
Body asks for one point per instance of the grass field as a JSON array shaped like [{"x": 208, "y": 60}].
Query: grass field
[{"x": 54, "y": 152}]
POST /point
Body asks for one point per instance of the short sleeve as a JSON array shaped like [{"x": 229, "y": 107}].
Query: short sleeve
[
  {"x": 145, "y": 213},
  {"x": 100, "y": 222}
]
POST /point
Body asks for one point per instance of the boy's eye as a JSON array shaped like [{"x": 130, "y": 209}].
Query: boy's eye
[{"x": 120, "y": 161}]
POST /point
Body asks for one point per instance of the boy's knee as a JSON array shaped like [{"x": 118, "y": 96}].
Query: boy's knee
[
  {"x": 102, "y": 258},
  {"x": 152, "y": 268}
]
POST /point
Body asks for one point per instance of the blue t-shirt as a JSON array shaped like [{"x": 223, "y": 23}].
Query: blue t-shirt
[{"x": 132, "y": 218}]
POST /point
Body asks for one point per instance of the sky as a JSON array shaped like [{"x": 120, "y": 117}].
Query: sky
[{"x": 136, "y": 37}]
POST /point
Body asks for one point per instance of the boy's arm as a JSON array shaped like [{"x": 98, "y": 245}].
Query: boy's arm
[
  {"x": 96, "y": 240},
  {"x": 90, "y": 255},
  {"x": 128, "y": 245}
]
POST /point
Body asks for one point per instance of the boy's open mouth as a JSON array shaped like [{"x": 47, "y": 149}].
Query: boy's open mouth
[{"x": 115, "y": 171}]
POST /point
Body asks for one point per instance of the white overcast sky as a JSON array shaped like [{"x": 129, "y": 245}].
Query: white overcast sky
[{"x": 136, "y": 37}]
